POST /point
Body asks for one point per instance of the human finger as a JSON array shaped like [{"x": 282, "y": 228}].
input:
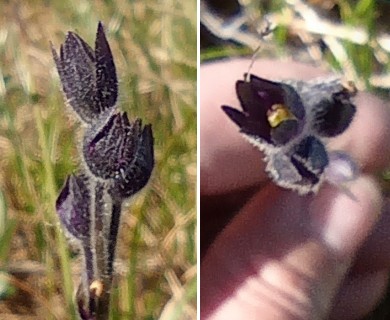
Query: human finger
[{"x": 289, "y": 254}]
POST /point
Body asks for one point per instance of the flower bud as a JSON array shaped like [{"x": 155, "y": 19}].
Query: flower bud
[
  {"x": 121, "y": 151},
  {"x": 73, "y": 207},
  {"x": 88, "y": 77}
]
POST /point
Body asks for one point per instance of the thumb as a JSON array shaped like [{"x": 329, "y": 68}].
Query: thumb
[{"x": 285, "y": 256}]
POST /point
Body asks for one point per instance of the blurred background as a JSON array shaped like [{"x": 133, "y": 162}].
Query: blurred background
[
  {"x": 351, "y": 37},
  {"x": 154, "y": 48}
]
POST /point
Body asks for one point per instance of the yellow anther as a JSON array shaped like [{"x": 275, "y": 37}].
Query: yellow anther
[
  {"x": 96, "y": 288},
  {"x": 277, "y": 114}
]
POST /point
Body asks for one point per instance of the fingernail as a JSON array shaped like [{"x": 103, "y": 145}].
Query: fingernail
[{"x": 345, "y": 219}]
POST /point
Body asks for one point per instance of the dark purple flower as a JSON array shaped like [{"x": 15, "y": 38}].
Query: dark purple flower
[
  {"x": 137, "y": 174},
  {"x": 272, "y": 112},
  {"x": 287, "y": 120},
  {"x": 88, "y": 77},
  {"x": 328, "y": 104},
  {"x": 334, "y": 115},
  {"x": 310, "y": 159},
  {"x": 73, "y": 206},
  {"x": 119, "y": 159},
  {"x": 121, "y": 151},
  {"x": 299, "y": 168}
]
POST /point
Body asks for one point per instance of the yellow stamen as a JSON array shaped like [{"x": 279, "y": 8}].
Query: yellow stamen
[
  {"x": 96, "y": 288},
  {"x": 277, "y": 114}
]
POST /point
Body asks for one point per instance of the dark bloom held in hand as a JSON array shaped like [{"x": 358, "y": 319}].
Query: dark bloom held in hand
[{"x": 289, "y": 121}]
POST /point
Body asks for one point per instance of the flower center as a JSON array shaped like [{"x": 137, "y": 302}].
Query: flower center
[{"x": 277, "y": 114}]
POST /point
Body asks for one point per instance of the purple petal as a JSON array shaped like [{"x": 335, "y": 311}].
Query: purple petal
[
  {"x": 282, "y": 170},
  {"x": 77, "y": 73},
  {"x": 266, "y": 93},
  {"x": 285, "y": 132},
  {"x": 238, "y": 117},
  {"x": 309, "y": 158},
  {"x": 293, "y": 101},
  {"x": 311, "y": 153},
  {"x": 254, "y": 100},
  {"x": 110, "y": 151},
  {"x": 289, "y": 173},
  {"x": 121, "y": 151},
  {"x": 258, "y": 99},
  {"x": 135, "y": 176},
  {"x": 106, "y": 80},
  {"x": 248, "y": 125},
  {"x": 88, "y": 78},
  {"x": 333, "y": 116},
  {"x": 73, "y": 207}
]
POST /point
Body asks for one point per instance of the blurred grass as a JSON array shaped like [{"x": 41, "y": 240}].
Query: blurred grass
[
  {"x": 361, "y": 59},
  {"x": 363, "y": 63},
  {"x": 154, "y": 47}
]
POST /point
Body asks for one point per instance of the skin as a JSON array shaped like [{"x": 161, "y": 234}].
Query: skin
[{"x": 268, "y": 253}]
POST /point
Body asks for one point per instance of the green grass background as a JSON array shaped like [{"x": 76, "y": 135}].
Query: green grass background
[{"x": 154, "y": 48}]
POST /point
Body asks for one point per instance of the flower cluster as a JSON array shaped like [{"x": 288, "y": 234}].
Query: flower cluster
[
  {"x": 117, "y": 161},
  {"x": 290, "y": 122}
]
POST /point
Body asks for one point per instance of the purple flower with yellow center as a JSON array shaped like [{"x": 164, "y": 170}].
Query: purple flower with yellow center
[{"x": 290, "y": 122}]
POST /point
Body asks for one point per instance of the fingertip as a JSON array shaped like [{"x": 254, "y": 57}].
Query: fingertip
[{"x": 345, "y": 219}]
